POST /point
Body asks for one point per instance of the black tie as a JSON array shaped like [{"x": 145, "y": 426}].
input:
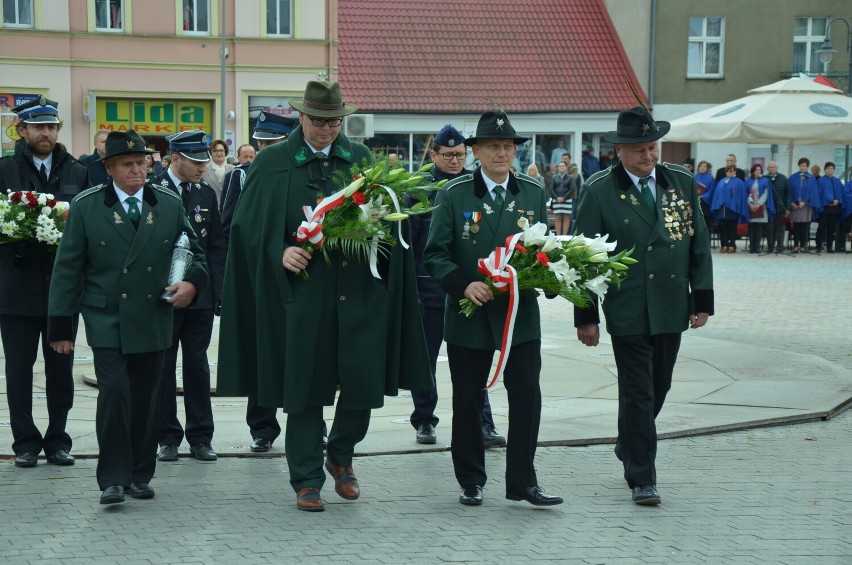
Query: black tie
[
  {"x": 184, "y": 195},
  {"x": 42, "y": 173}
]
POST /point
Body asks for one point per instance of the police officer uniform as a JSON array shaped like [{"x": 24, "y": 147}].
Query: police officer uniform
[
  {"x": 432, "y": 298},
  {"x": 193, "y": 326},
  {"x": 262, "y": 422},
  {"x": 25, "y": 271}
]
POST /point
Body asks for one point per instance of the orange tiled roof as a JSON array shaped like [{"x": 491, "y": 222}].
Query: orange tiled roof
[{"x": 447, "y": 55}]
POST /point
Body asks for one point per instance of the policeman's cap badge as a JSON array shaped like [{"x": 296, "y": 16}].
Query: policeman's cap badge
[{"x": 42, "y": 101}]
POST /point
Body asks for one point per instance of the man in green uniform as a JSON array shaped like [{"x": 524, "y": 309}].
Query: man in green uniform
[
  {"x": 653, "y": 208},
  {"x": 119, "y": 241},
  {"x": 475, "y": 214},
  {"x": 293, "y": 341}
]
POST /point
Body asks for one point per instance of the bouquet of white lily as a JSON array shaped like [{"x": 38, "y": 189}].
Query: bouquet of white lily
[{"x": 573, "y": 267}]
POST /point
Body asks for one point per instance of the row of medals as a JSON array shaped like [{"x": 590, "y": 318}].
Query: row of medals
[{"x": 468, "y": 229}]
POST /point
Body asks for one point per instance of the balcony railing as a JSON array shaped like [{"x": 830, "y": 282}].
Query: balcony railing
[{"x": 839, "y": 79}]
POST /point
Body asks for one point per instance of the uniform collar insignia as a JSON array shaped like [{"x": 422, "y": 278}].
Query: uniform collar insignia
[
  {"x": 150, "y": 219},
  {"x": 345, "y": 153},
  {"x": 117, "y": 218},
  {"x": 301, "y": 155}
]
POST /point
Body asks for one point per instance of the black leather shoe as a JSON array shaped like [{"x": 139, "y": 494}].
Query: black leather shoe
[
  {"x": 491, "y": 438},
  {"x": 426, "y": 434},
  {"x": 261, "y": 445},
  {"x": 203, "y": 452},
  {"x": 113, "y": 494},
  {"x": 26, "y": 459},
  {"x": 535, "y": 495},
  {"x": 471, "y": 495},
  {"x": 140, "y": 490},
  {"x": 168, "y": 453},
  {"x": 61, "y": 457},
  {"x": 646, "y": 495}
]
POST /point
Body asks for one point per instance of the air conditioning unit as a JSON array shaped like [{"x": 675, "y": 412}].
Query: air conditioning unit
[{"x": 359, "y": 125}]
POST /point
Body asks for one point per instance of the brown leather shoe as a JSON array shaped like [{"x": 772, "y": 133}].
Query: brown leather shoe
[
  {"x": 309, "y": 500},
  {"x": 345, "y": 483}
]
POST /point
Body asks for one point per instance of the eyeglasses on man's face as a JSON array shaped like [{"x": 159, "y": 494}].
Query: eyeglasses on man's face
[
  {"x": 450, "y": 156},
  {"x": 320, "y": 122}
]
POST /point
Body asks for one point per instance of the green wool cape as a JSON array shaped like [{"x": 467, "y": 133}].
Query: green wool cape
[{"x": 294, "y": 342}]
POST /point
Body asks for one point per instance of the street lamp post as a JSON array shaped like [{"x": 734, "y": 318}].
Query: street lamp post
[{"x": 826, "y": 52}]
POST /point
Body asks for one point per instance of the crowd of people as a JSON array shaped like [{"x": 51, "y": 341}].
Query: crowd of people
[
  {"x": 778, "y": 210},
  {"x": 235, "y": 230}
]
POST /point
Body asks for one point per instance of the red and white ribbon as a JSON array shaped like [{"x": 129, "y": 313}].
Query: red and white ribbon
[
  {"x": 311, "y": 229},
  {"x": 504, "y": 277}
]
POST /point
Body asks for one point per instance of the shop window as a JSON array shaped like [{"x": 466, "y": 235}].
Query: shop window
[{"x": 17, "y": 13}]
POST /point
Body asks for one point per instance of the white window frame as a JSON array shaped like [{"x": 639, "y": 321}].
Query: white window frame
[
  {"x": 702, "y": 41},
  {"x": 812, "y": 43},
  {"x": 122, "y": 14},
  {"x": 278, "y": 10},
  {"x": 195, "y": 17},
  {"x": 16, "y": 23}
]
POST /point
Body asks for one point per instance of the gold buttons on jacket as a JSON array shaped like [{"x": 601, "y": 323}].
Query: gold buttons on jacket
[
  {"x": 671, "y": 277},
  {"x": 124, "y": 270},
  {"x": 344, "y": 263},
  {"x": 650, "y": 248},
  {"x": 103, "y": 243},
  {"x": 626, "y": 222},
  {"x": 150, "y": 269},
  {"x": 123, "y": 295},
  {"x": 671, "y": 246},
  {"x": 343, "y": 298},
  {"x": 651, "y": 276}
]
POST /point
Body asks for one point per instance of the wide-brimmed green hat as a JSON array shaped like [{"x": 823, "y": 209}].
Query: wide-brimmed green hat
[{"x": 323, "y": 100}]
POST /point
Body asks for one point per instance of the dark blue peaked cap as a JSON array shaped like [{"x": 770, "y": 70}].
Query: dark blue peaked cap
[
  {"x": 190, "y": 144},
  {"x": 272, "y": 126},
  {"x": 448, "y": 137},
  {"x": 38, "y": 111}
]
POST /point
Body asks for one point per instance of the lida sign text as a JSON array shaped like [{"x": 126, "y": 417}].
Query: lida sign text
[{"x": 154, "y": 117}]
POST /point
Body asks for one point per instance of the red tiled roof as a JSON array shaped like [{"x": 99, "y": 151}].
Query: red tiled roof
[{"x": 447, "y": 55}]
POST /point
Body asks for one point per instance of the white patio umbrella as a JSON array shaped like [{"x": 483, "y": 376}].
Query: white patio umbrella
[{"x": 786, "y": 112}]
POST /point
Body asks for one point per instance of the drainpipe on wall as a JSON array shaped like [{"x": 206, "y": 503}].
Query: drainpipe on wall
[
  {"x": 653, "y": 53},
  {"x": 329, "y": 33}
]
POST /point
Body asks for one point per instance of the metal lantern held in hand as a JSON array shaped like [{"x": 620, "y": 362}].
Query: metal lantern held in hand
[{"x": 181, "y": 261}]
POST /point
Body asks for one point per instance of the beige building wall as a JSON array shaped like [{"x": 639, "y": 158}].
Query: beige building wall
[{"x": 64, "y": 58}]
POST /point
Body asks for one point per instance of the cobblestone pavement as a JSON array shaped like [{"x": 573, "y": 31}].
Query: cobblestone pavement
[
  {"x": 778, "y": 495},
  {"x": 770, "y": 495}
]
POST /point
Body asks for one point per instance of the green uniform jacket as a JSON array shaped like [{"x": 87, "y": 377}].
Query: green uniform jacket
[
  {"x": 293, "y": 341},
  {"x": 124, "y": 270},
  {"x": 674, "y": 275},
  {"x": 452, "y": 259}
]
